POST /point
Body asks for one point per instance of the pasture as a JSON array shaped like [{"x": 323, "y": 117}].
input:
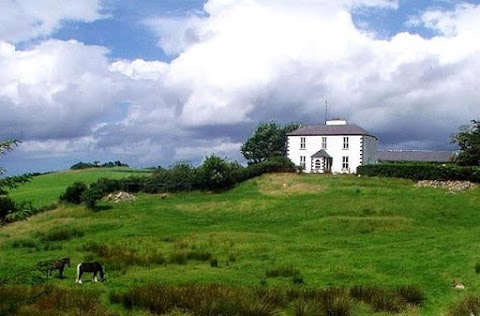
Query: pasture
[{"x": 278, "y": 234}]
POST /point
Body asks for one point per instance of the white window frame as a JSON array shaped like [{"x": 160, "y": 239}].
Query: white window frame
[
  {"x": 324, "y": 142},
  {"x": 345, "y": 142},
  {"x": 345, "y": 164},
  {"x": 303, "y": 162},
  {"x": 303, "y": 142}
]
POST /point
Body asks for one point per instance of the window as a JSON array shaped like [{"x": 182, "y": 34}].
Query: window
[
  {"x": 345, "y": 163},
  {"x": 345, "y": 143},
  {"x": 324, "y": 143},
  {"x": 302, "y": 142},
  {"x": 302, "y": 162}
]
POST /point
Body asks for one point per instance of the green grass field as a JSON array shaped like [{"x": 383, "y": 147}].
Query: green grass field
[
  {"x": 46, "y": 189},
  {"x": 333, "y": 231}
]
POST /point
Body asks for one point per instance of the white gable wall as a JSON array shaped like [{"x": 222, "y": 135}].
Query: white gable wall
[{"x": 361, "y": 150}]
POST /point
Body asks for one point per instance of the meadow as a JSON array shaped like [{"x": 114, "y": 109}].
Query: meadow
[{"x": 282, "y": 244}]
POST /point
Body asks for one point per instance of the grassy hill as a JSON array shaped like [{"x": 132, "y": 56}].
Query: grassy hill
[
  {"x": 45, "y": 190},
  {"x": 320, "y": 232}
]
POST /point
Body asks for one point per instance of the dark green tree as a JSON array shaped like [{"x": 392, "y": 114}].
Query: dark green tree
[
  {"x": 468, "y": 139},
  {"x": 10, "y": 182},
  {"x": 269, "y": 140},
  {"x": 8, "y": 206},
  {"x": 215, "y": 174}
]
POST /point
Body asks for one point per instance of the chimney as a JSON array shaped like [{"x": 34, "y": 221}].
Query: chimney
[{"x": 336, "y": 122}]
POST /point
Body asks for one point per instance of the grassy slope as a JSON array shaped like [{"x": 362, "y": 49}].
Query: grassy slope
[
  {"x": 45, "y": 190},
  {"x": 338, "y": 231}
]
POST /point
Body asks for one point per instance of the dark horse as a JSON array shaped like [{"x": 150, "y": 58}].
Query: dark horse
[
  {"x": 48, "y": 266},
  {"x": 94, "y": 267}
]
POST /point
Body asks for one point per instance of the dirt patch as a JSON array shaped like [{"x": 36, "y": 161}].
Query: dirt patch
[{"x": 451, "y": 186}]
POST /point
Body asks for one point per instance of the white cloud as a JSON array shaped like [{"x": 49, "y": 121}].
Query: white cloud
[
  {"x": 241, "y": 62},
  {"x": 54, "y": 90},
  {"x": 288, "y": 58},
  {"x": 463, "y": 20},
  {"x": 23, "y": 20}
]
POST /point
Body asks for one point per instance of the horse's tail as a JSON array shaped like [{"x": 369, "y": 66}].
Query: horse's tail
[{"x": 78, "y": 272}]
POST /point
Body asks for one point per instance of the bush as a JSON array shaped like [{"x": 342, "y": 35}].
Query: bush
[
  {"x": 7, "y": 206},
  {"x": 60, "y": 233},
  {"x": 284, "y": 272},
  {"x": 10, "y": 211},
  {"x": 214, "y": 174},
  {"x": 469, "y": 306},
  {"x": 422, "y": 171},
  {"x": 202, "y": 300},
  {"x": 73, "y": 193}
]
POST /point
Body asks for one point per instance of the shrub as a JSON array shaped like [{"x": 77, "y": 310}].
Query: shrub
[
  {"x": 74, "y": 192},
  {"x": 202, "y": 300},
  {"x": 334, "y": 302},
  {"x": 214, "y": 174},
  {"x": 393, "y": 300},
  {"x": 120, "y": 257},
  {"x": 26, "y": 243},
  {"x": 469, "y": 306},
  {"x": 422, "y": 171},
  {"x": 477, "y": 267},
  {"x": 60, "y": 233},
  {"x": 282, "y": 272},
  {"x": 7, "y": 206}
]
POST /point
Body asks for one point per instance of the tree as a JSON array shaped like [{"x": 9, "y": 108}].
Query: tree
[
  {"x": 215, "y": 174},
  {"x": 7, "y": 206},
  {"x": 6, "y": 146},
  {"x": 269, "y": 140},
  {"x": 10, "y": 182},
  {"x": 468, "y": 139}
]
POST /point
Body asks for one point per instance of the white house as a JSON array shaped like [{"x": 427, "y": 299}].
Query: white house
[{"x": 336, "y": 147}]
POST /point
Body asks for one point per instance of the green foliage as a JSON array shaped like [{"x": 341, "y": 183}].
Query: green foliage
[
  {"x": 43, "y": 300},
  {"x": 91, "y": 196},
  {"x": 276, "y": 220},
  {"x": 73, "y": 193},
  {"x": 60, "y": 233},
  {"x": 215, "y": 173},
  {"x": 468, "y": 306},
  {"x": 44, "y": 190},
  {"x": 287, "y": 271},
  {"x": 87, "y": 165},
  {"x": 9, "y": 210},
  {"x": 213, "y": 299},
  {"x": 389, "y": 299},
  {"x": 468, "y": 139},
  {"x": 271, "y": 165},
  {"x": 118, "y": 257},
  {"x": 421, "y": 171},
  {"x": 268, "y": 140}
]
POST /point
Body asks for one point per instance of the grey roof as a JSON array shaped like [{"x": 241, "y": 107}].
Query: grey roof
[
  {"x": 329, "y": 130},
  {"x": 416, "y": 155},
  {"x": 321, "y": 154}
]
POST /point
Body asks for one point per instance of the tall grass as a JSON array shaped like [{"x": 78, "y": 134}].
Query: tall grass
[{"x": 43, "y": 300}]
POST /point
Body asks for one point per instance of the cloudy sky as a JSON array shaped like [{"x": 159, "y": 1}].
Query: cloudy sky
[{"x": 153, "y": 82}]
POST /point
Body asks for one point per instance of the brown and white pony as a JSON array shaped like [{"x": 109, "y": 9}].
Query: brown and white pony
[{"x": 48, "y": 266}]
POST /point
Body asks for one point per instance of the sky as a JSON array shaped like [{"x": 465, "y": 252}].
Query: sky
[{"x": 152, "y": 83}]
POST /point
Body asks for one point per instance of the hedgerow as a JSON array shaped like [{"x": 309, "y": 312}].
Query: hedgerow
[{"x": 422, "y": 171}]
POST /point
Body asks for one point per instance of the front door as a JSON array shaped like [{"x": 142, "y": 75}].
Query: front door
[{"x": 321, "y": 165}]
